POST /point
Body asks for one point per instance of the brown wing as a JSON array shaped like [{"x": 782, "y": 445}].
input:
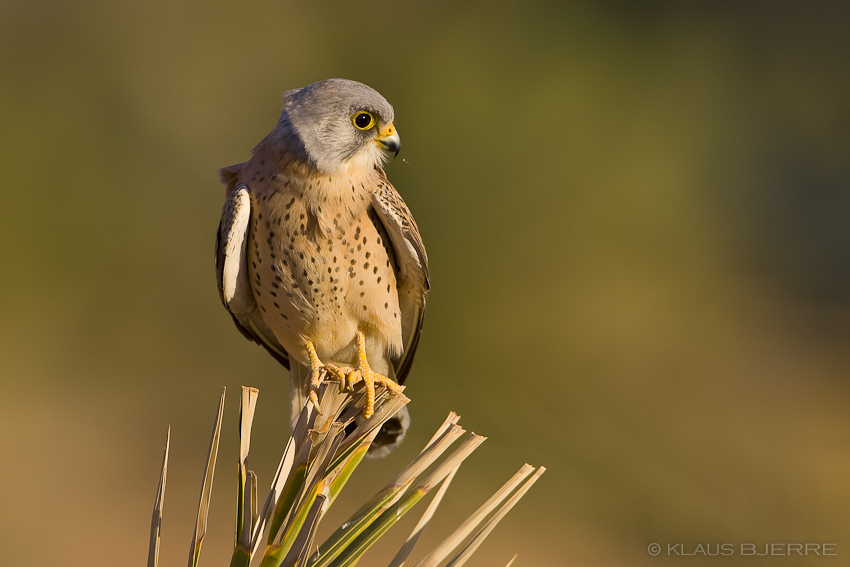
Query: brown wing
[
  {"x": 411, "y": 265},
  {"x": 234, "y": 287}
]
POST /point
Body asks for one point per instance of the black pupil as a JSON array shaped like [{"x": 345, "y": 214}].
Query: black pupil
[{"x": 362, "y": 120}]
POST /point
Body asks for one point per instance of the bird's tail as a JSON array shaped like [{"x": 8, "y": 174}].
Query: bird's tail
[{"x": 391, "y": 434}]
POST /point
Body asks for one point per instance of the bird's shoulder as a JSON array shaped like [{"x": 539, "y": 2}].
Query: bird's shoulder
[{"x": 399, "y": 221}]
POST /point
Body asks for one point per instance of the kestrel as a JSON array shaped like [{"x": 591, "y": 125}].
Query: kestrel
[{"x": 318, "y": 259}]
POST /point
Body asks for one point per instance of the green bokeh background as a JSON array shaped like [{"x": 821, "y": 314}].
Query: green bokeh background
[{"x": 638, "y": 220}]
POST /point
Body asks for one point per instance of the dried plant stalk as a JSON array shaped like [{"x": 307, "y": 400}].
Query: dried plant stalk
[{"x": 325, "y": 448}]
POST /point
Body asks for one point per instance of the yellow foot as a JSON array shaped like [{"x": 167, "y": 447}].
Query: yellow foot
[
  {"x": 369, "y": 377},
  {"x": 320, "y": 370}
]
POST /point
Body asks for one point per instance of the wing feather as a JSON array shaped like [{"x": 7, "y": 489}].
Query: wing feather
[
  {"x": 411, "y": 263},
  {"x": 232, "y": 272}
]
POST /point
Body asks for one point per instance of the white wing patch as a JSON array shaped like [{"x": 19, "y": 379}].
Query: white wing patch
[
  {"x": 234, "y": 276},
  {"x": 232, "y": 272},
  {"x": 413, "y": 253}
]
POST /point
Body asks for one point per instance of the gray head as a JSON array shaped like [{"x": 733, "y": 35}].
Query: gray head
[{"x": 344, "y": 125}]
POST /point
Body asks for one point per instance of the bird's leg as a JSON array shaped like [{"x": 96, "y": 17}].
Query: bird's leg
[
  {"x": 369, "y": 377},
  {"x": 317, "y": 370}
]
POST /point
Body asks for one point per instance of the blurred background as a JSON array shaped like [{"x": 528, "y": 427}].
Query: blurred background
[{"x": 638, "y": 220}]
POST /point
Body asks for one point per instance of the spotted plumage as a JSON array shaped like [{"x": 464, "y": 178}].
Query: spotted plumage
[{"x": 315, "y": 246}]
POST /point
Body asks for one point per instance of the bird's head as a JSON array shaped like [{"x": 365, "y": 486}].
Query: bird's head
[{"x": 344, "y": 125}]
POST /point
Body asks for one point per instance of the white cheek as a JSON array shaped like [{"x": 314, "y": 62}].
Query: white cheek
[
  {"x": 327, "y": 136},
  {"x": 326, "y": 147},
  {"x": 365, "y": 159},
  {"x": 329, "y": 152}
]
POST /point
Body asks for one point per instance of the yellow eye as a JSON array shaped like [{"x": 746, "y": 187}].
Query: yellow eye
[{"x": 363, "y": 120}]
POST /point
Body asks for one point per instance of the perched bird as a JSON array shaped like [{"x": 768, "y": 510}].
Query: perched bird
[{"x": 318, "y": 259}]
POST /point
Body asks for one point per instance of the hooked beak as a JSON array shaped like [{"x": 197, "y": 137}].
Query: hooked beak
[{"x": 388, "y": 139}]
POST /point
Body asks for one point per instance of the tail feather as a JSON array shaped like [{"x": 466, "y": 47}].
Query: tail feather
[
  {"x": 393, "y": 431},
  {"x": 299, "y": 378},
  {"x": 391, "y": 434}
]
